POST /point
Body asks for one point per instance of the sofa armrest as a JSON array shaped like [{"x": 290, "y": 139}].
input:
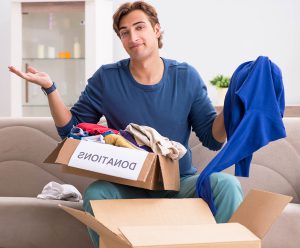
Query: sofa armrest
[
  {"x": 31, "y": 222},
  {"x": 286, "y": 230}
]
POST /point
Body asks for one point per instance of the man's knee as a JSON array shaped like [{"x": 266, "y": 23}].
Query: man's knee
[
  {"x": 224, "y": 181},
  {"x": 227, "y": 193}
]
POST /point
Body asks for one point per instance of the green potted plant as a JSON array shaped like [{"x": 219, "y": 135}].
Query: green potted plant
[{"x": 221, "y": 83}]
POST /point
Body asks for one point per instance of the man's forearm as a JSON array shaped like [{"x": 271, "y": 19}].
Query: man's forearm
[
  {"x": 218, "y": 128},
  {"x": 60, "y": 113}
]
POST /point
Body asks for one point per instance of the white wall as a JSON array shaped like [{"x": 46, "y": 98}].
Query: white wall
[
  {"x": 5, "y": 87},
  {"x": 216, "y": 36}
]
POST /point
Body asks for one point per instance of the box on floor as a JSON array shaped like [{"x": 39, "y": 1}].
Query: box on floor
[{"x": 171, "y": 223}]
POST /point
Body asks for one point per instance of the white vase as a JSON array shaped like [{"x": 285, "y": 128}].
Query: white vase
[{"x": 221, "y": 92}]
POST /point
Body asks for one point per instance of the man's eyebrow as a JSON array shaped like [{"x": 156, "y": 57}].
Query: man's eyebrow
[{"x": 136, "y": 23}]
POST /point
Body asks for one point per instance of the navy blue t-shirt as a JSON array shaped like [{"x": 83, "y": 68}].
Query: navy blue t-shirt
[{"x": 174, "y": 106}]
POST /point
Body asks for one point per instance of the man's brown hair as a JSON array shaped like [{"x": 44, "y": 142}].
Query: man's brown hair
[{"x": 126, "y": 8}]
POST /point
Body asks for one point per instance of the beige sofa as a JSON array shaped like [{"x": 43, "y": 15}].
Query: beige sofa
[{"x": 29, "y": 222}]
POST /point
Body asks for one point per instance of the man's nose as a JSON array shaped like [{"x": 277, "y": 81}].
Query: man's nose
[{"x": 133, "y": 36}]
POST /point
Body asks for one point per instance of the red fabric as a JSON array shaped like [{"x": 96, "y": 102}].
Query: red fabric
[{"x": 95, "y": 129}]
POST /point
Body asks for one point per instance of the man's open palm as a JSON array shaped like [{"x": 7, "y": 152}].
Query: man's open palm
[{"x": 33, "y": 75}]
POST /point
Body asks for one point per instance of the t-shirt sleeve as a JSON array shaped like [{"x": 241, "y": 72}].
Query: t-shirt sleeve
[
  {"x": 89, "y": 107},
  {"x": 202, "y": 113}
]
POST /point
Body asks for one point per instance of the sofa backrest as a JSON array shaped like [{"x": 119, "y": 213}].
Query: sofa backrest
[
  {"x": 275, "y": 167},
  {"x": 24, "y": 144}
]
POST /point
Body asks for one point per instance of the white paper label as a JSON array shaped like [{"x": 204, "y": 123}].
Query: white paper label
[{"x": 107, "y": 159}]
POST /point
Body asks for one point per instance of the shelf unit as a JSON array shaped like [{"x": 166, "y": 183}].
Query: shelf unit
[
  {"x": 57, "y": 25},
  {"x": 82, "y": 58}
]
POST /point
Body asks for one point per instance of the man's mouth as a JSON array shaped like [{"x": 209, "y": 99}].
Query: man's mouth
[{"x": 135, "y": 46}]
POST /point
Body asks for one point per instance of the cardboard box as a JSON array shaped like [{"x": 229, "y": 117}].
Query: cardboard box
[
  {"x": 171, "y": 223},
  {"x": 117, "y": 164}
]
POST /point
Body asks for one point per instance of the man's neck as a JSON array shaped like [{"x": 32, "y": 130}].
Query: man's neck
[{"x": 149, "y": 71}]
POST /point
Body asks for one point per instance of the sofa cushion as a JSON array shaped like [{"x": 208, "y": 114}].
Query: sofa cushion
[{"x": 25, "y": 143}]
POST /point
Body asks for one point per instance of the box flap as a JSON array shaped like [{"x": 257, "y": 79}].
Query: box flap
[
  {"x": 67, "y": 151},
  {"x": 259, "y": 210},
  {"x": 94, "y": 224},
  {"x": 170, "y": 173},
  {"x": 85, "y": 218},
  {"x": 51, "y": 159},
  {"x": 150, "y": 160},
  {"x": 110, "y": 243},
  {"x": 63, "y": 152},
  {"x": 144, "y": 212},
  {"x": 208, "y": 235}
]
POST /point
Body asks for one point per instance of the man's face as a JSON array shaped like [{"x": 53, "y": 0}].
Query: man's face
[{"x": 138, "y": 36}]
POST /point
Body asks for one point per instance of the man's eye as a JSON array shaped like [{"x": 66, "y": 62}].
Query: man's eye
[
  {"x": 139, "y": 27},
  {"x": 124, "y": 34}
]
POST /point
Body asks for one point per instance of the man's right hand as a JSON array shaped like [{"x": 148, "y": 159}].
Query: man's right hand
[
  {"x": 33, "y": 75},
  {"x": 60, "y": 113}
]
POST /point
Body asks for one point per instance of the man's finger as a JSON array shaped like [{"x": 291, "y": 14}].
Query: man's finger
[
  {"x": 11, "y": 68},
  {"x": 17, "y": 72},
  {"x": 30, "y": 75},
  {"x": 32, "y": 70}
]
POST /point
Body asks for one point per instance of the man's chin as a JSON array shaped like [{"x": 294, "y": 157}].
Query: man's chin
[{"x": 138, "y": 56}]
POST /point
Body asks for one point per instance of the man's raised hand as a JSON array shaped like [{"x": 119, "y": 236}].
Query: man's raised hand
[{"x": 33, "y": 75}]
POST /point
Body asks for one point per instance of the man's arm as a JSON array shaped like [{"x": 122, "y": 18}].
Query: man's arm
[
  {"x": 218, "y": 128},
  {"x": 60, "y": 113}
]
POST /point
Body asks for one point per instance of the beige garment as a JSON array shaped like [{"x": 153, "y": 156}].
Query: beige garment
[{"x": 148, "y": 136}]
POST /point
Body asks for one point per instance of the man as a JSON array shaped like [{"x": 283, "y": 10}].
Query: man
[{"x": 148, "y": 90}]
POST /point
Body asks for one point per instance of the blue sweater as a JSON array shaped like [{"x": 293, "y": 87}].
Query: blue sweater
[
  {"x": 253, "y": 111},
  {"x": 174, "y": 106}
]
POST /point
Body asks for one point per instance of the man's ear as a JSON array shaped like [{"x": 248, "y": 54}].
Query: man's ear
[{"x": 157, "y": 30}]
